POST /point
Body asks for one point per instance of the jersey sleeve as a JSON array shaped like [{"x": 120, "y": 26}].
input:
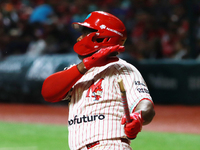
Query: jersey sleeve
[
  {"x": 56, "y": 86},
  {"x": 134, "y": 84}
]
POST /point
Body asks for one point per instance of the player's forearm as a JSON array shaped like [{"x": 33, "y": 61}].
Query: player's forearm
[
  {"x": 56, "y": 86},
  {"x": 147, "y": 110}
]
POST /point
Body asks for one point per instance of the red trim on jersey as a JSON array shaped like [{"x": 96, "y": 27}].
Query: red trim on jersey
[
  {"x": 56, "y": 86},
  {"x": 142, "y": 100}
]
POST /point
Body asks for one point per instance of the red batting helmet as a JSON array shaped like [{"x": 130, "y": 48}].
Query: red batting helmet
[{"x": 110, "y": 31}]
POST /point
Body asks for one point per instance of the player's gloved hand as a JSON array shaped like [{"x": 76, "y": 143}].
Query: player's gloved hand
[
  {"x": 132, "y": 128},
  {"x": 103, "y": 57}
]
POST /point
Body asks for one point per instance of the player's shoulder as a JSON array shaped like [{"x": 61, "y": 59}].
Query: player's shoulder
[{"x": 122, "y": 64}]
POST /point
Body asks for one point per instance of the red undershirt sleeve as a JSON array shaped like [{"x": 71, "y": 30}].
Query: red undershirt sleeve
[{"x": 56, "y": 86}]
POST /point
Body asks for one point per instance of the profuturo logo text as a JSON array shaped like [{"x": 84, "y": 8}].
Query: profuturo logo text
[{"x": 85, "y": 119}]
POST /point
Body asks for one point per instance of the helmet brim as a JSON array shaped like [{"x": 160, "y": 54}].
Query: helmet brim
[{"x": 79, "y": 25}]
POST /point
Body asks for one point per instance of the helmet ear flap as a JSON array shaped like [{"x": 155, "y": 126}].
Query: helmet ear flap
[
  {"x": 106, "y": 39},
  {"x": 87, "y": 45},
  {"x": 102, "y": 40},
  {"x": 98, "y": 39}
]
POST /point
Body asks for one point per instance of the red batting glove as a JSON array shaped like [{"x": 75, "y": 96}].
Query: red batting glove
[
  {"x": 102, "y": 57},
  {"x": 132, "y": 128}
]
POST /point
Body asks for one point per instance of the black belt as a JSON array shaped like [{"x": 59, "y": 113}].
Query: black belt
[
  {"x": 97, "y": 143},
  {"x": 92, "y": 144}
]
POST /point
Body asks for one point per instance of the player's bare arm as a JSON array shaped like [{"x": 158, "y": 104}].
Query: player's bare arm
[
  {"x": 142, "y": 115},
  {"x": 147, "y": 110}
]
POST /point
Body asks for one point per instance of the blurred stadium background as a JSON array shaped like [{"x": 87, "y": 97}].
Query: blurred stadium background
[{"x": 36, "y": 40}]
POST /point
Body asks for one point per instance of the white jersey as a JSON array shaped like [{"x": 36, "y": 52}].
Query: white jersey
[{"x": 95, "y": 109}]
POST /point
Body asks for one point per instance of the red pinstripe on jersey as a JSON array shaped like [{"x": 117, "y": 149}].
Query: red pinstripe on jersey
[{"x": 98, "y": 119}]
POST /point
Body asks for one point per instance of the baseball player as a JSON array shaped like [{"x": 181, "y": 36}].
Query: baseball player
[{"x": 96, "y": 116}]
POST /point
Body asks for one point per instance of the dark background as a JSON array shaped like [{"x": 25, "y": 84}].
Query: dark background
[{"x": 36, "y": 40}]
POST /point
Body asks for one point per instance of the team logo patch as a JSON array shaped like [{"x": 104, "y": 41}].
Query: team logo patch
[{"x": 96, "y": 90}]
